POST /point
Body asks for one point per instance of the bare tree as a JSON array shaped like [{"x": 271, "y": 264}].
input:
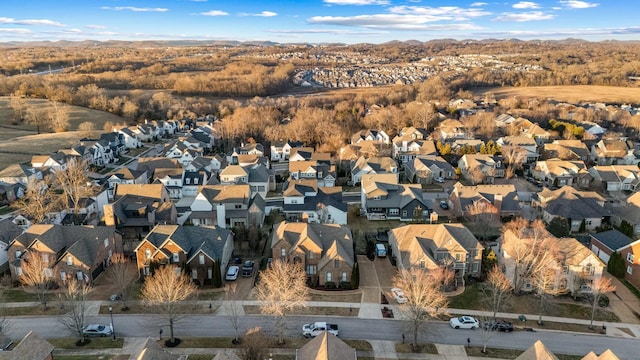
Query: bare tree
[
  {"x": 531, "y": 247},
  {"x": 37, "y": 117},
  {"x": 75, "y": 300},
  {"x": 59, "y": 117},
  {"x": 497, "y": 290},
  {"x": 74, "y": 183},
  {"x": 122, "y": 273},
  {"x": 424, "y": 295},
  {"x": 18, "y": 105},
  {"x": 481, "y": 215},
  {"x": 38, "y": 201},
  {"x": 254, "y": 346},
  {"x": 234, "y": 310},
  {"x": 548, "y": 283},
  {"x": 515, "y": 157},
  {"x": 87, "y": 128},
  {"x": 37, "y": 274},
  {"x": 281, "y": 290},
  {"x": 599, "y": 288},
  {"x": 166, "y": 289}
]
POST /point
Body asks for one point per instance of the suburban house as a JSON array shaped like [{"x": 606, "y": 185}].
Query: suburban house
[
  {"x": 326, "y": 346},
  {"x": 69, "y": 252},
  {"x": 255, "y": 149},
  {"x": 100, "y": 151},
  {"x": 616, "y": 177},
  {"x": 366, "y": 148},
  {"x": 324, "y": 173},
  {"x": 151, "y": 164},
  {"x": 31, "y": 347},
  {"x": 556, "y": 172},
  {"x": 458, "y": 144},
  {"x": 407, "y": 146},
  {"x": 382, "y": 198},
  {"x": 430, "y": 246},
  {"x": 19, "y": 173},
  {"x": 375, "y": 165},
  {"x": 425, "y": 169},
  {"x": 566, "y": 150},
  {"x": 172, "y": 179},
  {"x": 532, "y": 130},
  {"x": 325, "y": 251},
  {"x": 305, "y": 201},
  {"x": 261, "y": 179},
  {"x": 527, "y": 144},
  {"x": 124, "y": 175},
  {"x": 605, "y": 243},
  {"x": 184, "y": 152},
  {"x": 131, "y": 139},
  {"x": 11, "y": 192},
  {"x": 9, "y": 230},
  {"x": 378, "y": 136},
  {"x": 504, "y": 120},
  {"x": 79, "y": 153},
  {"x": 234, "y": 174},
  {"x": 614, "y": 152},
  {"x": 481, "y": 168},
  {"x": 281, "y": 150},
  {"x": 56, "y": 161},
  {"x": 629, "y": 211},
  {"x": 210, "y": 164},
  {"x": 501, "y": 199},
  {"x": 575, "y": 266},
  {"x": 226, "y": 206},
  {"x": 199, "y": 248},
  {"x": 585, "y": 209},
  {"x": 452, "y": 129}
]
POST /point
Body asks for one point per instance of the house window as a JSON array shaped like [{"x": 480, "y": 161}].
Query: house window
[
  {"x": 145, "y": 271},
  {"x": 474, "y": 267},
  {"x": 328, "y": 278},
  {"x": 336, "y": 263},
  {"x": 309, "y": 255},
  {"x": 194, "y": 274},
  {"x": 312, "y": 269},
  {"x": 63, "y": 275},
  {"x": 19, "y": 271},
  {"x": 629, "y": 270},
  {"x": 238, "y": 206},
  {"x": 328, "y": 216},
  {"x": 147, "y": 254},
  {"x": 69, "y": 260},
  {"x": 395, "y": 212},
  {"x": 283, "y": 252},
  {"x": 176, "y": 257},
  {"x": 106, "y": 242},
  {"x": 209, "y": 274},
  {"x": 18, "y": 254},
  {"x": 630, "y": 257},
  {"x": 294, "y": 201},
  {"x": 423, "y": 264},
  {"x": 404, "y": 213},
  {"x": 195, "y": 181},
  {"x": 458, "y": 257},
  {"x": 201, "y": 259},
  {"x": 343, "y": 277},
  {"x": 48, "y": 272}
]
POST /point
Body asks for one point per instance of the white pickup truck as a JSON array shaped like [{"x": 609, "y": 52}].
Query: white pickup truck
[{"x": 316, "y": 328}]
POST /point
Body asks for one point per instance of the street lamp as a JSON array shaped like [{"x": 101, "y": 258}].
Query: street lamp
[{"x": 113, "y": 330}]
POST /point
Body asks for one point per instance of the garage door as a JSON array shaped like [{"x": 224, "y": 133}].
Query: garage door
[{"x": 601, "y": 254}]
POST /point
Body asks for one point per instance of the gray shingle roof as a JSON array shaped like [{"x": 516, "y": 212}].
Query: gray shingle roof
[{"x": 613, "y": 239}]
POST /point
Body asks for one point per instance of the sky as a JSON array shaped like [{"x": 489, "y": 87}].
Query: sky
[{"x": 317, "y": 21}]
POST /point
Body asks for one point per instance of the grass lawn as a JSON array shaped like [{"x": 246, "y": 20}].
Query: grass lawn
[
  {"x": 472, "y": 297},
  {"x": 328, "y": 311},
  {"x": 52, "y": 309},
  {"x": 140, "y": 308},
  {"x": 424, "y": 348},
  {"x": 96, "y": 343},
  {"x": 336, "y": 297},
  {"x": 568, "y": 93},
  {"x": 360, "y": 345},
  {"x": 208, "y": 342},
  {"x": 550, "y": 325},
  {"x": 18, "y": 295},
  {"x": 91, "y": 357}
]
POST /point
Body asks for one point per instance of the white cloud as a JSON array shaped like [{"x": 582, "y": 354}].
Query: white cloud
[
  {"x": 215, "y": 13},
  {"x": 327, "y": 31},
  {"x": 390, "y": 22},
  {"x": 357, "y": 2},
  {"x": 262, "y": 14},
  {"x": 95, "y": 26},
  {"x": 479, "y": 4},
  {"x": 443, "y": 12},
  {"x": 15, "y": 31},
  {"x": 578, "y": 32},
  {"x": 524, "y": 17},
  {"x": 6, "y": 20},
  {"x": 577, "y": 4},
  {"x": 526, "y": 5},
  {"x": 134, "y": 9}
]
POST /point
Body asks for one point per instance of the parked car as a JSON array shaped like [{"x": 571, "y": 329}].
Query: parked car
[
  {"x": 398, "y": 294},
  {"x": 498, "y": 325},
  {"x": 232, "y": 273},
  {"x": 444, "y": 205},
  {"x": 439, "y": 179},
  {"x": 317, "y": 328},
  {"x": 381, "y": 250},
  {"x": 247, "y": 268},
  {"x": 97, "y": 330},
  {"x": 464, "y": 322}
]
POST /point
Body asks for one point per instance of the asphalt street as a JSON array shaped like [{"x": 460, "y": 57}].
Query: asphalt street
[{"x": 350, "y": 328}]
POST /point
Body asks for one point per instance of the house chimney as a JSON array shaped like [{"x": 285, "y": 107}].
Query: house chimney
[
  {"x": 497, "y": 201},
  {"x": 221, "y": 215}
]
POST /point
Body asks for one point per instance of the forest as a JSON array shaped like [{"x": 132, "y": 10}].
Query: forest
[{"x": 250, "y": 89}]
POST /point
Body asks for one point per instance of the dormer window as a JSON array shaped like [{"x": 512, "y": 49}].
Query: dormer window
[
  {"x": 187, "y": 181},
  {"x": 69, "y": 260},
  {"x": 195, "y": 181}
]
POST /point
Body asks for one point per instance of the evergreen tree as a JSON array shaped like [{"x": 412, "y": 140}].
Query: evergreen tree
[{"x": 615, "y": 266}]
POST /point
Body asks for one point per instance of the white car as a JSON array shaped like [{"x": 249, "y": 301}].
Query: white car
[
  {"x": 398, "y": 294},
  {"x": 464, "y": 322},
  {"x": 439, "y": 179},
  {"x": 232, "y": 273}
]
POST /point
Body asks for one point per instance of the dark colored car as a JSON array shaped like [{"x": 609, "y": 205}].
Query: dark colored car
[
  {"x": 498, "y": 325},
  {"x": 444, "y": 205},
  {"x": 247, "y": 268}
]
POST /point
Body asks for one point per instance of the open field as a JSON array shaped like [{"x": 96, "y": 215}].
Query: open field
[
  {"x": 569, "y": 93},
  {"x": 23, "y": 138}
]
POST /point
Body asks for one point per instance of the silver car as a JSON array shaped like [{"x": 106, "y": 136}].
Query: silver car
[{"x": 97, "y": 330}]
